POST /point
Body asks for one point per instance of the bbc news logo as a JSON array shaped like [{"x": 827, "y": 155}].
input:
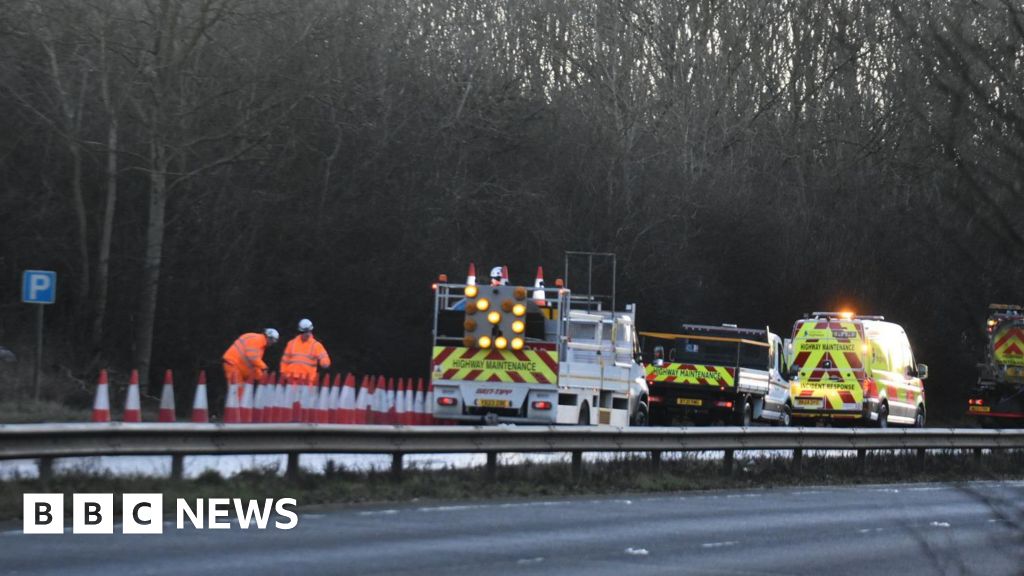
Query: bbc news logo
[{"x": 144, "y": 514}]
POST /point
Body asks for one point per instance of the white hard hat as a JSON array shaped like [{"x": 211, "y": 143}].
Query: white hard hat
[
  {"x": 496, "y": 272},
  {"x": 305, "y": 325},
  {"x": 271, "y": 334}
]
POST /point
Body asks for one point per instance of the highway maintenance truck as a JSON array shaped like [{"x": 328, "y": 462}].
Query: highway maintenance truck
[
  {"x": 998, "y": 397},
  {"x": 509, "y": 354},
  {"x": 855, "y": 368},
  {"x": 711, "y": 374}
]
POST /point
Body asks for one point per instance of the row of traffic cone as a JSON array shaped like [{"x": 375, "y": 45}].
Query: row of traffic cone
[
  {"x": 538, "y": 282},
  {"x": 273, "y": 400},
  {"x": 376, "y": 401}
]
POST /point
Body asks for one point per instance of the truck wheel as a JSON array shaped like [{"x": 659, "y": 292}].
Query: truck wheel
[
  {"x": 584, "y": 419},
  {"x": 919, "y": 417},
  {"x": 746, "y": 417},
  {"x": 883, "y": 416},
  {"x": 642, "y": 417}
]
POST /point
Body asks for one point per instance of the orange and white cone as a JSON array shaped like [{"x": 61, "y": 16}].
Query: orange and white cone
[
  {"x": 101, "y": 404},
  {"x": 504, "y": 275},
  {"x": 419, "y": 408},
  {"x": 392, "y": 414},
  {"x": 280, "y": 400},
  {"x": 380, "y": 401},
  {"x": 347, "y": 402},
  {"x": 362, "y": 406},
  {"x": 295, "y": 399},
  {"x": 323, "y": 402},
  {"x": 428, "y": 401},
  {"x": 401, "y": 414},
  {"x": 200, "y": 406},
  {"x": 538, "y": 284},
  {"x": 471, "y": 275},
  {"x": 334, "y": 400},
  {"x": 410, "y": 402},
  {"x": 167, "y": 412},
  {"x": 259, "y": 396},
  {"x": 245, "y": 403},
  {"x": 231, "y": 411},
  {"x": 132, "y": 405}
]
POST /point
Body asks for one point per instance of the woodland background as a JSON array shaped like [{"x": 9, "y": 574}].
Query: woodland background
[{"x": 195, "y": 169}]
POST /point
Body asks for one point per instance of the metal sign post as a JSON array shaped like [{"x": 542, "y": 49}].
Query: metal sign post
[{"x": 38, "y": 287}]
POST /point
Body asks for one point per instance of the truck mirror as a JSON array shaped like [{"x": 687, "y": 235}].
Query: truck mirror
[{"x": 922, "y": 371}]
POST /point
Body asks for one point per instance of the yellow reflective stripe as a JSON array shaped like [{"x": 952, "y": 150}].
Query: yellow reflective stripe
[
  {"x": 509, "y": 367},
  {"x": 679, "y": 373}
]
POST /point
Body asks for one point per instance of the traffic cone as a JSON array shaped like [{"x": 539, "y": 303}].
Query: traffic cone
[
  {"x": 259, "y": 397},
  {"x": 322, "y": 408},
  {"x": 333, "y": 400},
  {"x": 504, "y": 275},
  {"x": 428, "y": 401},
  {"x": 167, "y": 399},
  {"x": 132, "y": 405},
  {"x": 200, "y": 407},
  {"x": 538, "y": 284},
  {"x": 401, "y": 414},
  {"x": 392, "y": 414},
  {"x": 419, "y": 408},
  {"x": 295, "y": 399},
  {"x": 231, "y": 412},
  {"x": 362, "y": 402},
  {"x": 347, "y": 402},
  {"x": 280, "y": 400},
  {"x": 380, "y": 401},
  {"x": 101, "y": 404},
  {"x": 245, "y": 403},
  {"x": 471, "y": 275}
]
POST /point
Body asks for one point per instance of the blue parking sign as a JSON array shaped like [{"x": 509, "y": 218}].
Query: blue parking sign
[{"x": 39, "y": 287}]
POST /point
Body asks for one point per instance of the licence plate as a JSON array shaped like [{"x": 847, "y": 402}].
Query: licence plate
[
  {"x": 808, "y": 402},
  {"x": 688, "y": 402},
  {"x": 483, "y": 403},
  {"x": 981, "y": 409}
]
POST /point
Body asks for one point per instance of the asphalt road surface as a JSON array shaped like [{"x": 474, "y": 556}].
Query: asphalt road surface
[{"x": 974, "y": 528}]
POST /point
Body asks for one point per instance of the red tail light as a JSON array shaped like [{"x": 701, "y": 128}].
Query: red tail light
[
  {"x": 870, "y": 388},
  {"x": 976, "y": 402},
  {"x": 542, "y": 405},
  {"x": 724, "y": 404},
  {"x": 654, "y": 399},
  {"x": 446, "y": 401}
]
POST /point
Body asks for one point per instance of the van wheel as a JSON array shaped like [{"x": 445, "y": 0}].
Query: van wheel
[
  {"x": 786, "y": 419},
  {"x": 746, "y": 417},
  {"x": 584, "y": 419},
  {"x": 883, "y": 416},
  {"x": 919, "y": 417},
  {"x": 642, "y": 417}
]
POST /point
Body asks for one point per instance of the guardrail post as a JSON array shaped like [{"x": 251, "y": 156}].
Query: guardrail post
[
  {"x": 292, "y": 472},
  {"x": 920, "y": 459},
  {"x": 577, "y": 465},
  {"x": 45, "y": 471},
  {"x": 727, "y": 462},
  {"x": 798, "y": 459},
  {"x": 177, "y": 466},
  {"x": 862, "y": 460},
  {"x": 492, "y": 466},
  {"x": 396, "y": 466},
  {"x": 656, "y": 460}
]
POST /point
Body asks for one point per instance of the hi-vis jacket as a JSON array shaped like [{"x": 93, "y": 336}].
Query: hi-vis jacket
[
  {"x": 243, "y": 361},
  {"x": 301, "y": 359}
]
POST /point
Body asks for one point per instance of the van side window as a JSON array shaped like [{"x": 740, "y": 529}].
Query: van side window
[{"x": 879, "y": 358}]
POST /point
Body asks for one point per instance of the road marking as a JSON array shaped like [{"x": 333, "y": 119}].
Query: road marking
[
  {"x": 938, "y": 524},
  {"x": 378, "y": 512},
  {"x": 869, "y": 530},
  {"x": 523, "y": 561},
  {"x": 637, "y": 551},
  {"x": 719, "y": 544}
]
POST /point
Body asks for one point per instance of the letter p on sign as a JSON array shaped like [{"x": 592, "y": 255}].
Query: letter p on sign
[{"x": 39, "y": 287}]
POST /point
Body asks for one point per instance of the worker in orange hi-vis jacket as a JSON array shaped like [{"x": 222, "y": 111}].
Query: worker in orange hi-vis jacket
[
  {"x": 303, "y": 355},
  {"x": 243, "y": 361}
]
